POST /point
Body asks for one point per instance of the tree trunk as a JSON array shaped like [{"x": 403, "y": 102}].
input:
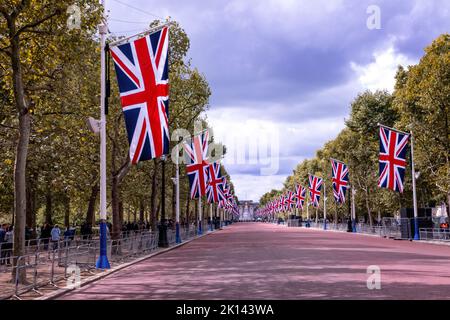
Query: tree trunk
[
  {"x": 158, "y": 210},
  {"x": 48, "y": 207},
  {"x": 188, "y": 213},
  {"x": 174, "y": 201},
  {"x": 90, "y": 214},
  {"x": 20, "y": 196},
  {"x": 448, "y": 203},
  {"x": 31, "y": 207},
  {"x": 67, "y": 211},
  {"x": 153, "y": 206},
  {"x": 368, "y": 207},
  {"x": 121, "y": 210},
  {"x": 116, "y": 221},
  {"x": 141, "y": 211}
]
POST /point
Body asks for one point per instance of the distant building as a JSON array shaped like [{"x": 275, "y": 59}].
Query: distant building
[{"x": 247, "y": 209}]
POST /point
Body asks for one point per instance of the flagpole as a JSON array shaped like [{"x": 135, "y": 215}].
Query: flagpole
[
  {"x": 324, "y": 207},
  {"x": 177, "y": 196},
  {"x": 416, "y": 219},
  {"x": 211, "y": 216},
  {"x": 143, "y": 33},
  {"x": 353, "y": 210},
  {"x": 307, "y": 213},
  {"x": 102, "y": 262},
  {"x": 199, "y": 214}
]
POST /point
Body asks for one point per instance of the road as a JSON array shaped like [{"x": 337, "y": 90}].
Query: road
[{"x": 266, "y": 261}]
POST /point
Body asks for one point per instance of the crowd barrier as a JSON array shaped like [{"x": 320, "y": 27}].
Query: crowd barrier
[
  {"x": 389, "y": 228},
  {"x": 66, "y": 259}
]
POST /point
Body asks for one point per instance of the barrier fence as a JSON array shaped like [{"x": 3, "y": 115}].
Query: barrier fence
[
  {"x": 394, "y": 228},
  {"x": 48, "y": 265}
]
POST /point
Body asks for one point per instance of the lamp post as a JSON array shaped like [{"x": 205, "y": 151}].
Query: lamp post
[
  {"x": 163, "y": 225},
  {"x": 324, "y": 207},
  {"x": 353, "y": 210},
  {"x": 102, "y": 262},
  {"x": 177, "y": 207},
  {"x": 416, "y": 218}
]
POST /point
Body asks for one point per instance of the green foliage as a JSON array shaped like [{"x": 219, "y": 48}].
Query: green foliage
[{"x": 420, "y": 103}]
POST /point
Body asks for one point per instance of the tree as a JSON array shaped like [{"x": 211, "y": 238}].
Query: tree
[
  {"x": 30, "y": 32},
  {"x": 422, "y": 98}
]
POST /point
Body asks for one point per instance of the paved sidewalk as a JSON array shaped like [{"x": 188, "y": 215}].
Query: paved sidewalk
[{"x": 266, "y": 261}]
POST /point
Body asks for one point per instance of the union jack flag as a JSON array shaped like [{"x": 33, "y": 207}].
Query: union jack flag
[
  {"x": 315, "y": 184},
  {"x": 142, "y": 74},
  {"x": 214, "y": 189},
  {"x": 197, "y": 152},
  {"x": 280, "y": 203},
  {"x": 300, "y": 195},
  {"x": 340, "y": 180},
  {"x": 392, "y": 159},
  {"x": 289, "y": 201}
]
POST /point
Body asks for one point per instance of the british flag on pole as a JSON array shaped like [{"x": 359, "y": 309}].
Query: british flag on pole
[
  {"x": 340, "y": 180},
  {"x": 392, "y": 159},
  {"x": 143, "y": 76},
  {"x": 214, "y": 189},
  {"x": 197, "y": 164},
  {"x": 315, "y": 184},
  {"x": 300, "y": 195},
  {"x": 289, "y": 201}
]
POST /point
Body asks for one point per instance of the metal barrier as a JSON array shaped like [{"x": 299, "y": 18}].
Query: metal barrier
[
  {"x": 49, "y": 265},
  {"x": 434, "y": 234},
  {"x": 293, "y": 223}
]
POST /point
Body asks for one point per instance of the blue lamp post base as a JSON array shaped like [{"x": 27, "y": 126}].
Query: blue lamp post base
[
  {"x": 416, "y": 229},
  {"x": 102, "y": 262},
  {"x": 177, "y": 233},
  {"x": 200, "y": 228}
]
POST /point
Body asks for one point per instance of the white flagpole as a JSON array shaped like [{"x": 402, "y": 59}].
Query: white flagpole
[
  {"x": 102, "y": 262},
  {"x": 416, "y": 219},
  {"x": 307, "y": 211},
  {"x": 199, "y": 214},
  {"x": 353, "y": 210},
  {"x": 177, "y": 195},
  {"x": 211, "y": 216},
  {"x": 324, "y": 206}
]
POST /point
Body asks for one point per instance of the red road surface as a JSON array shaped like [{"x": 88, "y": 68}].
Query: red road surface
[{"x": 265, "y": 261}]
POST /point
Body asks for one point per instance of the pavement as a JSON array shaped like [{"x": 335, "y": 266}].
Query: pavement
[{"x": 266, "y": 261}]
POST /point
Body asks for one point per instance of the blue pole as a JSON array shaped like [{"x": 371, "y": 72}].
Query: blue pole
[
  {"x": 353, "y": 225},
  {"x": 177, "y": 233},
  {"x": 200, "y": 227},
  {"x": 325, "y": 224},
  {"x": 102, "y": 262},
  {"x": 416, "y": 228}
]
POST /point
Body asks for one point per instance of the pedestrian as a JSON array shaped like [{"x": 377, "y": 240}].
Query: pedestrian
[
  {"x": 67, "y": 236},
  {"x": 3, "y": 228},
  {"x": 55, "y": 235},
  {"x": 45, "y": 235},
  {"x": 8, "y": 245}
]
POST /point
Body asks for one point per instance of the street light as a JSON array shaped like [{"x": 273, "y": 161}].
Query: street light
[{"x": 163, "y": 225}]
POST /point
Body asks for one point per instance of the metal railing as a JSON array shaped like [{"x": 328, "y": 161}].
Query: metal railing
[
  {"x": 434, "y": 234},
  {"x": 54, "y": 264}
]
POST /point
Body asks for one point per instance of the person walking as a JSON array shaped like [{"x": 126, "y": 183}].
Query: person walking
[
  {"x": 3, "y": 228},
  {"x": 8, "y": 245},
  {"x": 55, "y": 236},
  {"x": 45, "y": 235}
]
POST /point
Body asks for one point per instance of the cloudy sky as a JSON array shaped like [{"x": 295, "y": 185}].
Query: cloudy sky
[{"x": 283, "y": 72}]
